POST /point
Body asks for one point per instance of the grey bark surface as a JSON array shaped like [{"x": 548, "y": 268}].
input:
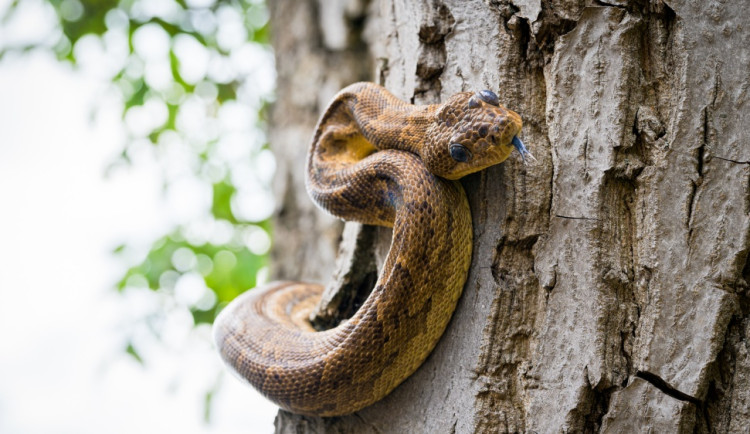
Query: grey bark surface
[
  {"x": 608, "y": 290},
  {"x": 318, "y": 52}
]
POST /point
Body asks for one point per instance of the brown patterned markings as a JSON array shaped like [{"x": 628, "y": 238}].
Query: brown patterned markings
[{"x": 377, "y": 160}]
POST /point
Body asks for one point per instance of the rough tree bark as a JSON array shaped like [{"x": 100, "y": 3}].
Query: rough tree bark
[{"x": 609, "y": 285}]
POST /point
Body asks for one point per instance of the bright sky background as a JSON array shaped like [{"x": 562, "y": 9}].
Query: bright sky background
[{"x": 62, "y": 327}]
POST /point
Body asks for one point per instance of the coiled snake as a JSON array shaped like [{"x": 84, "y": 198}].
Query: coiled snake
[{"x": 380, "y": 161}]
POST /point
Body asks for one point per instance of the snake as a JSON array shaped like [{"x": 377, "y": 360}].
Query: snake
[{"x": 377, "y": 160}]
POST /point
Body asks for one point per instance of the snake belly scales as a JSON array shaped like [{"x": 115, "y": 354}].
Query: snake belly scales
[{"x": 377, "y": 160}]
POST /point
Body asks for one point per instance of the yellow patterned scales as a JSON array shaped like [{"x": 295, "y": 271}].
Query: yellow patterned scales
[{"x": 380, "y": 161}]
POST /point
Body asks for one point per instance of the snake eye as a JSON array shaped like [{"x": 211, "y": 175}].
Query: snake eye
[
  {"x": 489, "y": 97},
  {"x": 460, "y": 153}
]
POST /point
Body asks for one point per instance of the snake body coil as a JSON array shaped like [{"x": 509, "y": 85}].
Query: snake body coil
[{"x": 379, "y": 161}]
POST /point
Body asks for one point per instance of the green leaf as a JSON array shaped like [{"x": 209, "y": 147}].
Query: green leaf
[
  {"x": 221, "y": 207},
  {"x": 91, "y": 22},
  {"x": 133, "y": 353},
  {"x": 203, "y": 316},
  {"x": 138, "y": 96},
  {"x": 209, "y": 397},
  {"x": 262, "y": 35},
  {"x": 227, "y": 91},
  {"x": 172, "y": 118}
]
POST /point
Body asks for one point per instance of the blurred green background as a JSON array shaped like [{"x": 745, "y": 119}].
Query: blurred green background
[
  {"x": 152, "y": 67},
  {"x": 192, "y": 80}
]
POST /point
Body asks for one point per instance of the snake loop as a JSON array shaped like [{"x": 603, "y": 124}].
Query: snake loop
[{"x": 380, "y": 161}]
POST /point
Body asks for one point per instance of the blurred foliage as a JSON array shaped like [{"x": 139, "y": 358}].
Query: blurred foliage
[
  {"x": 193, "y": 78},
  {"x": 228, "y": 270}
]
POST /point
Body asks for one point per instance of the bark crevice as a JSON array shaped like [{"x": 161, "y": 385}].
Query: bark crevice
[
  {"x": 353, "y": 279},
  {"x": 668, "y": 389},
  {"x": 576, "y": 218},
  {"x": 435, "y": 27}
]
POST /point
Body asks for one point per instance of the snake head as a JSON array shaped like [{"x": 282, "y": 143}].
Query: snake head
[{"x": 471, "y": 131}]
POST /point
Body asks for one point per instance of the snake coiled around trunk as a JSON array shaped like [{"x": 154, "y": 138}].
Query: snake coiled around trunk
[{"x": 380, "y": 161}]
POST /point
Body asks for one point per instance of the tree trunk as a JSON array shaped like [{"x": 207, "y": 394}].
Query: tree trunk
[{"x": 608, "y": 289}]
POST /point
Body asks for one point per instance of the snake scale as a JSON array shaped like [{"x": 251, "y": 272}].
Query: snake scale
[{"x": 380, "y": 161}]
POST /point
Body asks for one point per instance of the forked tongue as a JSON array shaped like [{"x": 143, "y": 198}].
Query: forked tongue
[{"x": 526, "y": 156}]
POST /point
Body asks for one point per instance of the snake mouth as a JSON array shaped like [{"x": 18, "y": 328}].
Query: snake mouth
[{"x": 518, "y": 144}]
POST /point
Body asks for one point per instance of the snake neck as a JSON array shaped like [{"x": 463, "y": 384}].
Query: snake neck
[
  {"x": 385, "y": 121},
  {"x": 388, "y": 132}
]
